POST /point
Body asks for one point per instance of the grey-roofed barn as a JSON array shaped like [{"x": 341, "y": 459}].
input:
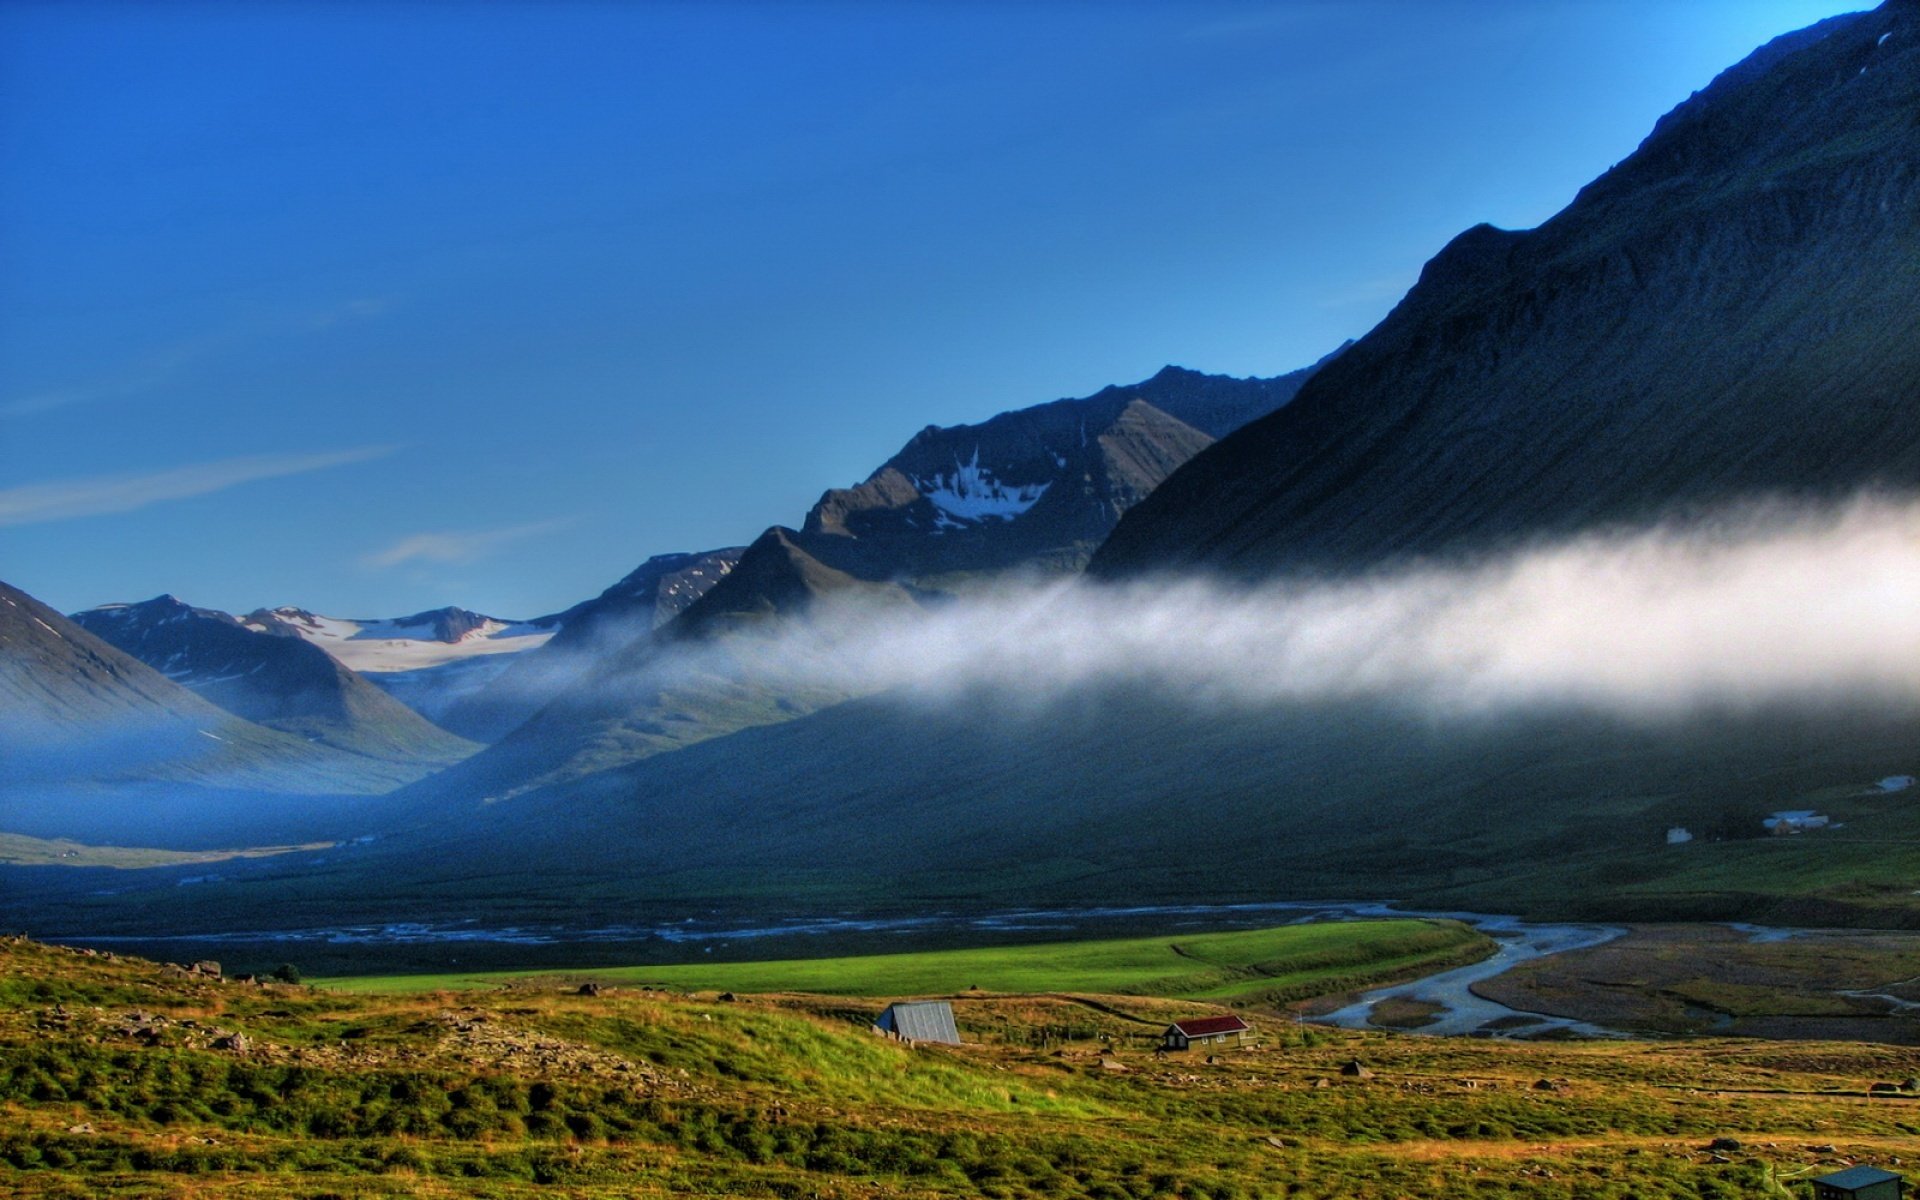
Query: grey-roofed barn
[
  {"x": 920, "y": 1021},
  {"x": 1858, "y": 1183}
]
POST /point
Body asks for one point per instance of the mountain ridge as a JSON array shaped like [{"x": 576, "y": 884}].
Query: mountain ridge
[
  {"x": 1722, "y": 316},
  {"x": 279, "y": 680}
]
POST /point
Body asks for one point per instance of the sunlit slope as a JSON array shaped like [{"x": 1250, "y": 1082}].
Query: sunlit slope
[
  {"x": 125, "y": 1078},
  {"x": 1288, "y": 962}
]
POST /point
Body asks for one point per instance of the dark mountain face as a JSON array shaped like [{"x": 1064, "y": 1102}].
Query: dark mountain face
[
  {"x": 1732, "y": 312},
  {"x": 276, "y": 680}
]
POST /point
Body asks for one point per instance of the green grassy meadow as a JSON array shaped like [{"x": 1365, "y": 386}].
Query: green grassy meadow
[
  {"x": 125, "y": 1078},
  {"x": 1290, "y": 960}
]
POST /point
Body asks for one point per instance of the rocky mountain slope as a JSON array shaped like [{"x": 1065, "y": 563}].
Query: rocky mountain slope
[
  {"x": 1033, "y": 489},
  {"x": 1732, "y": 312},
  {"x": 276, "y": 679}
]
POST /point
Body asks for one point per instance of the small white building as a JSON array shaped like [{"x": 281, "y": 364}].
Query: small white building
[
  {"x": 1795, "y": 820},
  {"x": 1678, "y": 834}
]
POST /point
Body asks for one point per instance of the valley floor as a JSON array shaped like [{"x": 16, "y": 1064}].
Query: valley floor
[{"x": 127, "y": 1078}]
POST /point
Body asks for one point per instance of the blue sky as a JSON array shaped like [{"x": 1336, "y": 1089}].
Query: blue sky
[{"x": 378, "y": 307}]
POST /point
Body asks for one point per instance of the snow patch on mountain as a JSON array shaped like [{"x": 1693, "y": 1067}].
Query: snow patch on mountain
[
  {"x": 378, "y": 646},
  {"x": 972, "y": 494}
]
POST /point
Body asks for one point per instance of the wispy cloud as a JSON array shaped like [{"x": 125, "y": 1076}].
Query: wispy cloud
[
  {"x": 363, "y": 309},
  {"x": 463, "y": 546},
  {"x": 99, "y": 494},
  {"x": 164, "y": 365}
]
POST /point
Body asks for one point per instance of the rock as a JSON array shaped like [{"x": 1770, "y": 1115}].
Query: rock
[
  {"x": 1278, "y": 1143},
  {"x": 588, "y": 989},
  {"x": 1113, "y": 1064},
  {"x": 1545, "y": 1085},
  {"x": 1355, "y": 1070},
  {"x": 235, "y": 1042},
  {"x": 1883, "y": 1088},
  {"x": 206, "y": 967},
  {"x": 1724, "y": 1143},
  {"x": 728, "y": 997},
  {"x": 1322, "y": 1082},
  {"x": 83, "y": 1127}
]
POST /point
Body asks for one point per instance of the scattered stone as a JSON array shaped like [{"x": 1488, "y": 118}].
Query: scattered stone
[
  {"x": 1113, "y": 1064},
  {"x": 1279, "y": 1143},
  {"x": 728, "y": 997},
  {"x": 1354, "y": 1069},
  {"x": 588, "y": 989},
  {"x": 237, "y": 1043},
  {"x": 1724, "y": 1143},
  {"x": 1323, "y": 1082},
  {"x": 82, "y": 1127},
  {"x": 205, "y": 967}
]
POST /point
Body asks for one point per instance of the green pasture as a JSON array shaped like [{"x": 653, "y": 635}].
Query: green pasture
[{"x": 1207, "y": 965}]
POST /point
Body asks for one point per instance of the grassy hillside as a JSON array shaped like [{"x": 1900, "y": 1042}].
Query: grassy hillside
[
  {"x": 875, "y": 808},
  {"x": 125, "y": 1078},
  {"x": 1290, "y": 961}
]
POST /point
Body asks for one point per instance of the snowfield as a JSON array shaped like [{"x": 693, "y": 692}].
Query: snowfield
[
  {"x": 374, "y": 647},
  {"x": 971, "y": 493}
]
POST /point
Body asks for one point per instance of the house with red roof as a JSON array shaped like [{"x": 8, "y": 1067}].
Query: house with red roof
[{"x": 1204, "y": 1030}]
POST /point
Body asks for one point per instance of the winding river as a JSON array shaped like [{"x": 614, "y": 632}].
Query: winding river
[{"x": 1460, "y": 1010}]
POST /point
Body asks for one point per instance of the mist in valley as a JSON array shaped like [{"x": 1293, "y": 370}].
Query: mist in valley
[{"x": 1767, "y": 604}]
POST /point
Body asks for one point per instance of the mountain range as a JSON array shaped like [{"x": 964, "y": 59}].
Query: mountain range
[
  {"x": 1730, "y": 316},
  {"x": 271, "y": 676}
]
